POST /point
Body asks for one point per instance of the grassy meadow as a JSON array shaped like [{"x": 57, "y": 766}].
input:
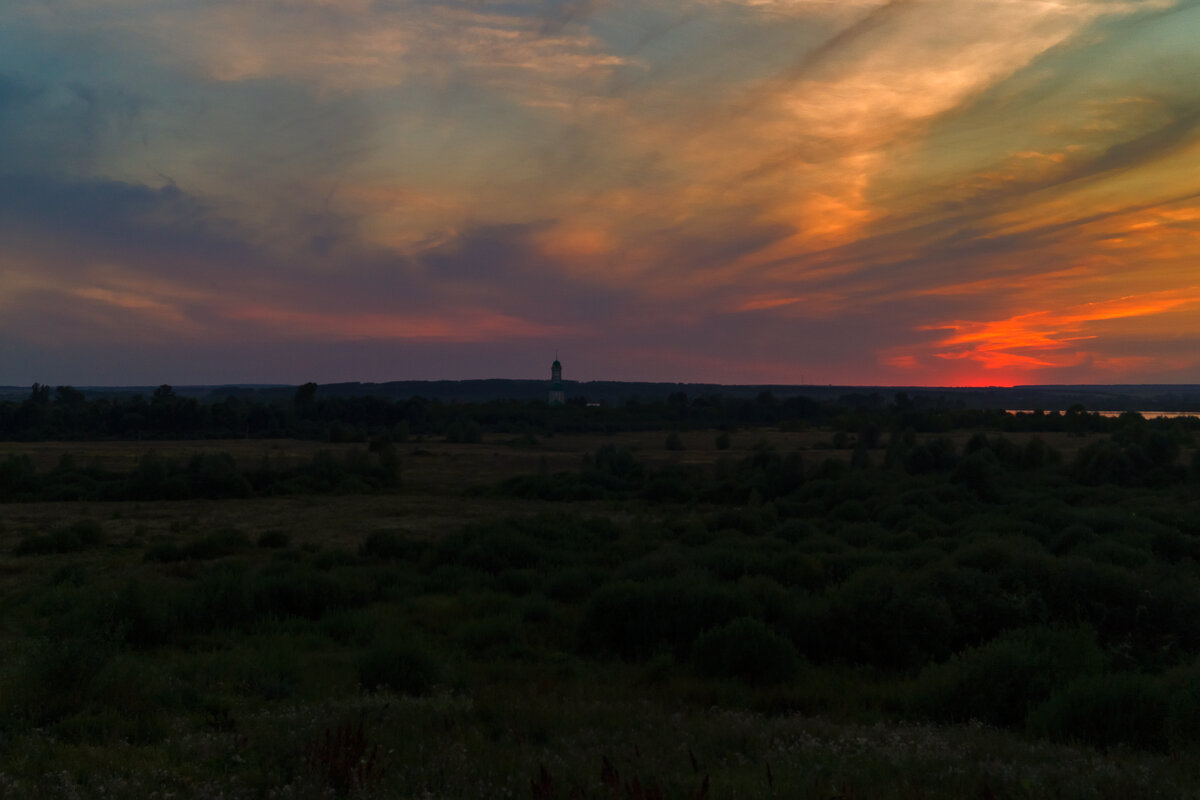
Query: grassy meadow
[{"x": 746, "y": 614}]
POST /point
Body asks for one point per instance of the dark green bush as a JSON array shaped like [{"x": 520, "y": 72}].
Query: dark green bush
[
  {"x": 1000, "y": 681},
  {"x": 220, "y": 598},
  {"x": 934, "y": 455},
  {"x": 127, "y": 702},
  {"x": 72, "y": 538},
  {"x": 1182, "y": 687},
  {"x": 216, "y": 475},
  {"x": 981, "y": 473},
  {"x": 490, "y": 547},
  {"x": 388, "y": 545},
  {"x": 634, "y": 620},
  {"x": 298, "y": 592},
  {"x": 887, "y": 619},
  {"x": 17, "y": 476},
  {"x": 670, "y": 484},
  {"x": 618, "y": 462},
  {"x": 349, "y": 627},
  {"x": 1107, "y": 710},
  {"x": 573, "y": 584},
  {"x": 57, "y": 679},
  {"x": 1071, "y": 537},
  {"x": 274, "y": 539},
  {"x": 747, "y": 650},
  {"x": 401, "y": 667},
  {"x": 559, "y": 486},
  {"x": 496, "y": 635},
  {"x": 142, "y": 618},
  {"x": 216, "y": 545}
]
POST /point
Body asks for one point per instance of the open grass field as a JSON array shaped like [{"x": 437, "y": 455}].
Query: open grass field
[{"x": 696, "y": 629}]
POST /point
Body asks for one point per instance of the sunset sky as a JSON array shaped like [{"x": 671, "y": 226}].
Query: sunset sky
[{"x": 915, "y": 192}]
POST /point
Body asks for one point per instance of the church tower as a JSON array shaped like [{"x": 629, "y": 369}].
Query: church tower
[{"x": 557, "y": 395}]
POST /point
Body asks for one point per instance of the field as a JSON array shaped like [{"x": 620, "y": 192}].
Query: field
[{"x": 609, "y": 616}]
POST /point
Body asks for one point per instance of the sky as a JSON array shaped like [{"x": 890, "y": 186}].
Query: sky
[{"x": 862, "y": 192}]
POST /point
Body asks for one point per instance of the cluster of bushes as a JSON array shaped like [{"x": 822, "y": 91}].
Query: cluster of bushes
[
  {"x": 983, "y": 582},
  {"x": 1058, "y": 683},
  {"x": 987, "y": 466},
  {"x": 994, "y": 583},
  {"x": 229, "y": 598},
  {"x": 202, "y": 475},
  {"x": 70, "y": 538}
]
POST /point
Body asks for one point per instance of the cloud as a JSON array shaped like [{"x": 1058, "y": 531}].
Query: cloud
[
  {"x": 872, "y": 189},
  {"x": 462, "y": 325},
  {"x": 1043, "y": 339}
]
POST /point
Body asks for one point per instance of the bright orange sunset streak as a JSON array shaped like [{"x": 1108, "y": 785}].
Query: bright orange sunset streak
[{"x": 1044, "y": 339}]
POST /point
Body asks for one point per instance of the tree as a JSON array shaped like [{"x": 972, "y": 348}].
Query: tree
[
  {"x": 68, "y": 396},
  {"x": 306, "y": 399}
]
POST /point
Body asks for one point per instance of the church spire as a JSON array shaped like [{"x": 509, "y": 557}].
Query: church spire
[{"x": 557, "y": 395}]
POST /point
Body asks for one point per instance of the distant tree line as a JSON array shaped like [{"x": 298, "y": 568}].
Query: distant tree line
[{"x": 66, "y": 413}]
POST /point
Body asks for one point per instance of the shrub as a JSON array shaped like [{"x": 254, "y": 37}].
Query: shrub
[
  {"x": 498, "y": 636},
  {"x": 399, "y": 666},
  {"x": 126, "y": 702},
  {"x": 1000, "y": 681},
  {"x": 274, "y": 539},
  {"x": 887, "y": 619},
  {"x": 296, "y": 592},
  {"x": 17, "y": 475},
  {"x": 220, "y": 598},
  {"x": 573, "y": 583},
  {"x": 217, "y": 545},
  {"x": 670, "y": 484},
  {"x": 1107, "y": 710},
  {"x": 618, "y": 462},
  {"x": 387, "y": 545},
  {"x": 746, "y": 650},
  {"x": 57, "y": 679},
  {"x": 1182, "y": 686},
  {"x": 140, "y": 619},
  {"x": 490, "y": 547},
  {"x": 634, "y": 620},
  {"x": 1071, "y": 537},
  {"x": 935, "y": 455},
  {"x": 216, "y": 475},
  {"x": 349, "y": 627},
  {"x": 71, "y": 538},
  {"x": 980, "y": 473}
]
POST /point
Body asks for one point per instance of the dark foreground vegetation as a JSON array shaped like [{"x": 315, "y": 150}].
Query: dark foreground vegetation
[{"x": 883, "y": 604}]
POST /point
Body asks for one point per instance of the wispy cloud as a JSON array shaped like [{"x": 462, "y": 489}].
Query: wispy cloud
[
  {"x": 871, "y": 190},
  {"x": 1044, "y": 339}
]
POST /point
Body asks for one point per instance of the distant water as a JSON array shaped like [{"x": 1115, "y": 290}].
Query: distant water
[{"x": 1146, "y": 414}]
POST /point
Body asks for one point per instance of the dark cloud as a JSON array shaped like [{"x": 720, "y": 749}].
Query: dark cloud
[
  {"x": 846, "y": 38},
  {"x": 106, "y": 218},
  {"x": 61, "y": 127},
  {"x": 558, "y": 14},
  {"x": 502, "y": 266}
]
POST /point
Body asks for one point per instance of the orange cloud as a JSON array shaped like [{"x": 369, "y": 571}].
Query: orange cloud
[
  {"x": 1046, "y": 339},
  {"x": 129, "y": 301}
]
